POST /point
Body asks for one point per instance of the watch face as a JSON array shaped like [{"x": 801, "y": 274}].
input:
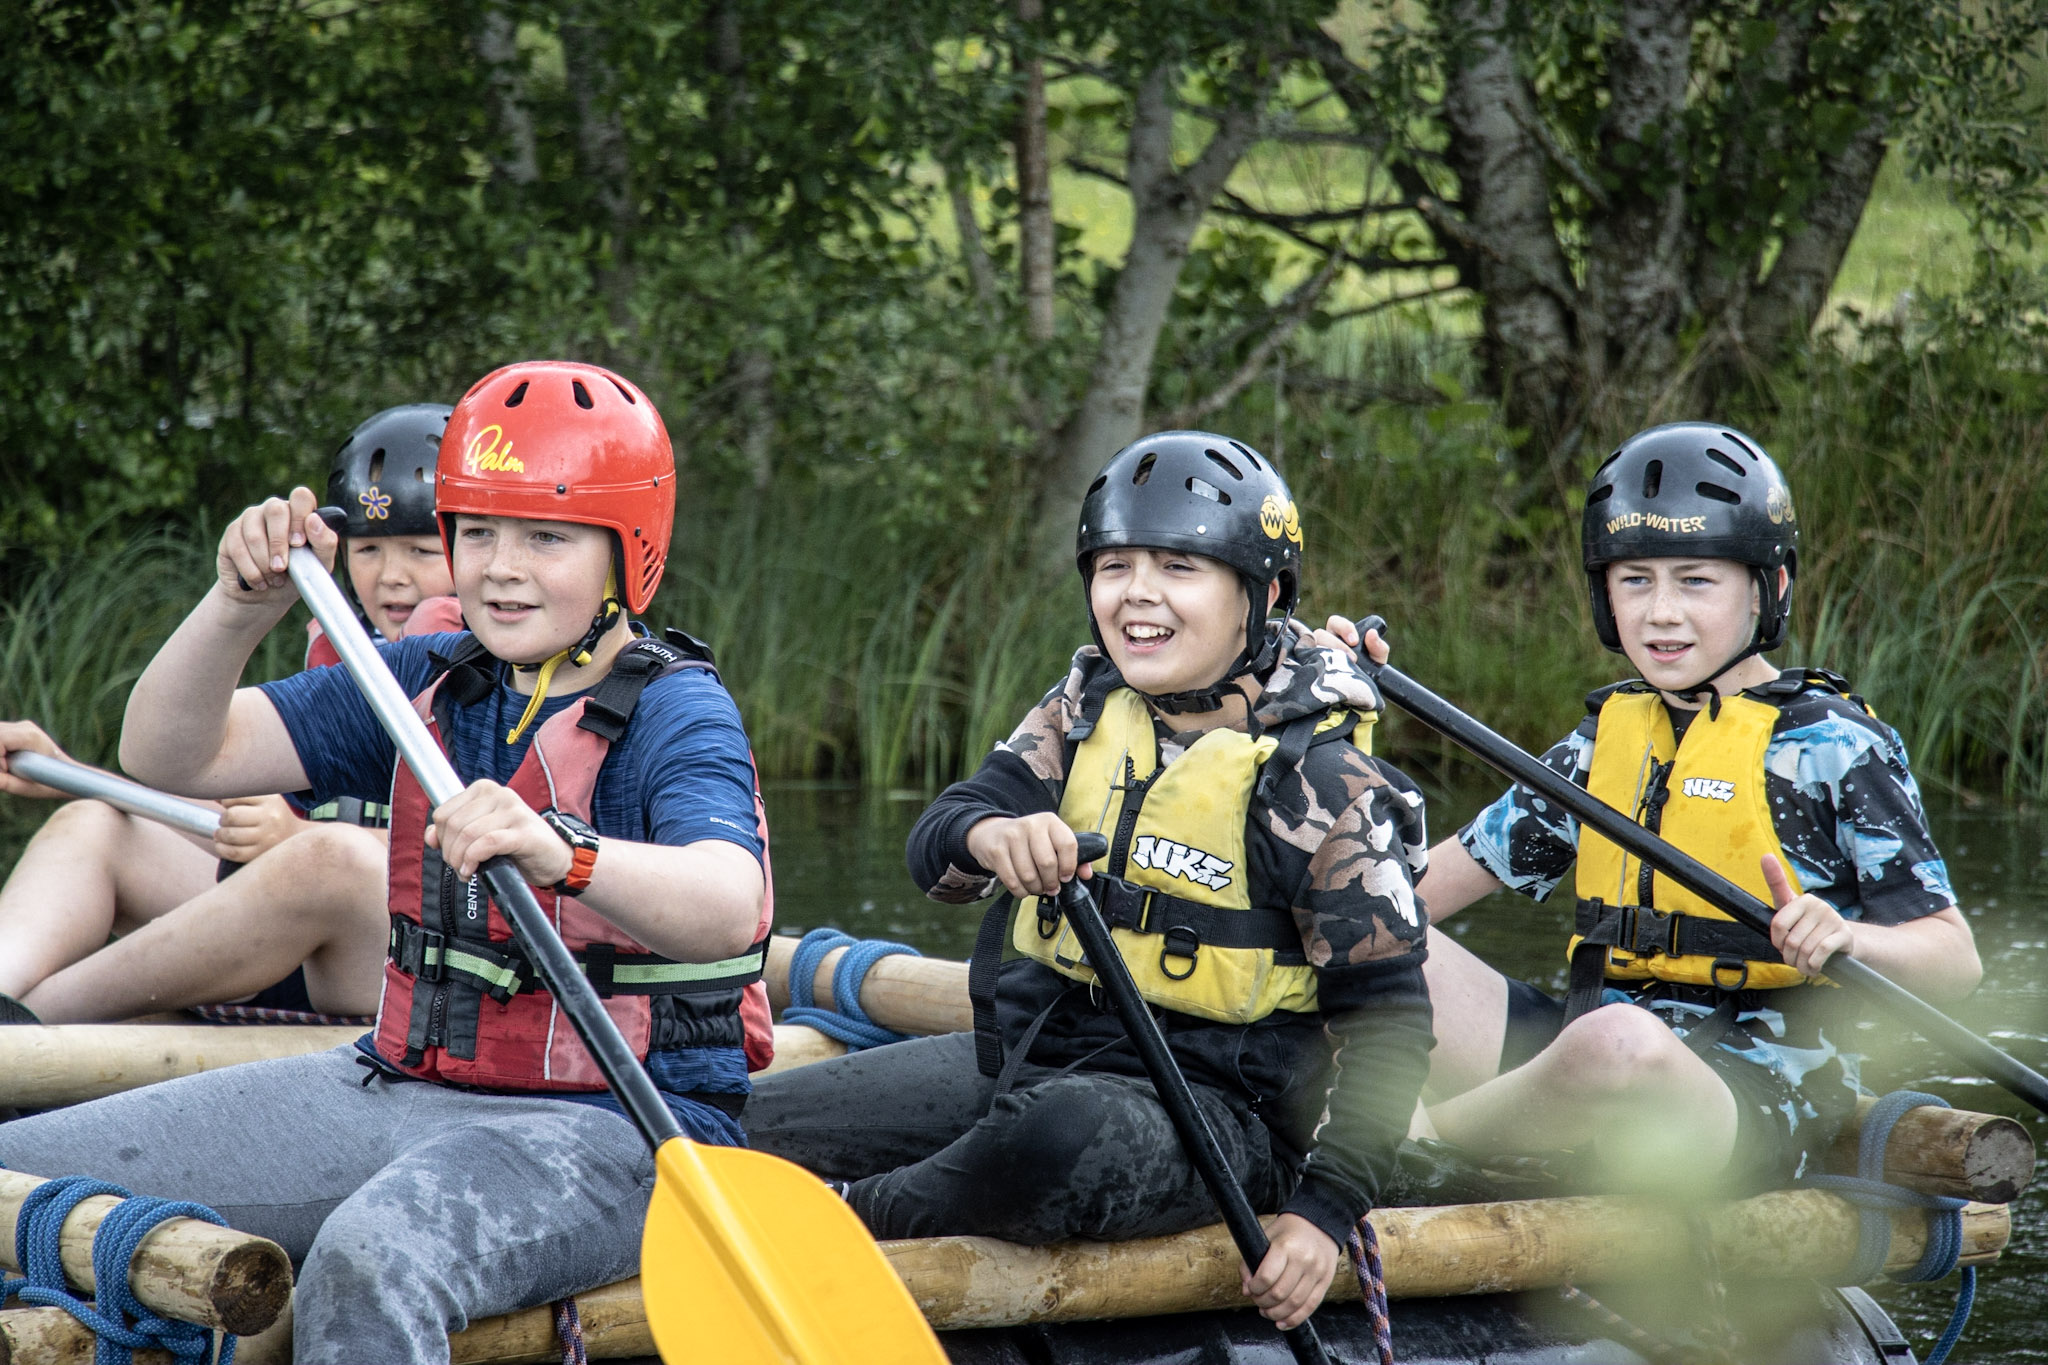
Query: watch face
[{"x": 574, "y": 830}]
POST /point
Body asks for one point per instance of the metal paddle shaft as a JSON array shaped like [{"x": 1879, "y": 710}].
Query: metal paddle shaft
[
  {"x": 118, "y": 792},
  {"x": 558, "y": 970},
  {"x": 1513, "y": 763},
  {"x": 1195, "y": 1136}
]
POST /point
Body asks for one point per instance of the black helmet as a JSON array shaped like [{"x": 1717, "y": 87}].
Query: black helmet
[
  {"x": 1698, "y": 490},
  {"x": 383, "y": 475},
  {"x": 1203, "y": 494}
]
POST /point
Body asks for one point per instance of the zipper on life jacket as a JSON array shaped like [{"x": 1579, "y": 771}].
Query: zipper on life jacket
[
  {"x": 1652, "y": 820},
  {"x": 1127, "y": 821}
]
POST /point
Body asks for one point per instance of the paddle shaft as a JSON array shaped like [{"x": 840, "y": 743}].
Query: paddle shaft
[
  {"x": 118, "y": 792},
  {"x": 558, "y": 969},
  {"x": 1179, "y": 1101},
  {"x": 1710, "y": 886}
]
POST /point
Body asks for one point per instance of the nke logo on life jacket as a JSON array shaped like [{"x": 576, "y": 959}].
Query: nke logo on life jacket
[
  {"x": 1178, "y": 860},
  {"x": 485, "y": 453},
  {"x": 1712, "y": 788}
]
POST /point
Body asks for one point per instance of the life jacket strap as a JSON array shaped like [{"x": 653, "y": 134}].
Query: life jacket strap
[
  {"x": 353, "y": 810},
  {"x": 1146, "y": 910},
  {"x": 1643, "y": 931},
  {"x": 501, "y": 971}
]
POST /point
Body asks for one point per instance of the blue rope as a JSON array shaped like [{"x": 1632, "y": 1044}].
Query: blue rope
[
  {"x": 1874, "y": 1197},
  {"x": 849, "y": 1023},
  {"x": 119, "y": 1319}
]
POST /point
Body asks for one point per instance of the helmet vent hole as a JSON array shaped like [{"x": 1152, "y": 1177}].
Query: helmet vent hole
[
  {"x": 1653, "y": 478},
  {"x": 1227, "y": 466},
  {"x": 1744, "y": 446},
  {"x": 1246, "y": 451},
  {"x": 1202, "y": 488},
  {"x": 1728, "y": 463},
  {"x": 1600, "y": 494},
  {"x": 1718, "y": 493},
  {"x": 625, "y": 393},
  {"x": 1144, "y": 474},
  {"x": 1096, "y": 487},
  {"x": 377, "y": 465},
  {"x": 518, "y": 395},
  {"x": 422, "y": 475},
  {"x": 583, "y": 399}
]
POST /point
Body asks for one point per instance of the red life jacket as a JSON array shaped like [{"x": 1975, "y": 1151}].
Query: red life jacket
[
  {"x": 462, "y": 1002},
  {"x": 433, "y": 616}
]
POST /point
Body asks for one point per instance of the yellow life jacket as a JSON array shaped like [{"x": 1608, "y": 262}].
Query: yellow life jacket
[
  {"x": 1175, "y": 889},
  {"x": 1705, "y": 795}
]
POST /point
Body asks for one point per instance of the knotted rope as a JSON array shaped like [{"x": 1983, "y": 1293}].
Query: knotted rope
[
  {"x": 848, "y": 1023},
  {"x": 118, "y": 1319},
  {"x": 1874, "y": 1197}
]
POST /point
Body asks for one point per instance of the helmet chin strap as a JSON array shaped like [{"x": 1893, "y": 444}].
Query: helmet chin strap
[
  {"x": 1704, "y": 692},
  {"x": 578, "y": 654}
]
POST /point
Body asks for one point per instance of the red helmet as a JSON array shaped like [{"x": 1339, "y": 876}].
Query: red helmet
[{"x": 553, "y": 440}]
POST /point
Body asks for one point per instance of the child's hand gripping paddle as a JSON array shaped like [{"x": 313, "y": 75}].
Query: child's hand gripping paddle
[
  {"x": 745, "y": 1258},
  {"x": 1172, "y": 1086}
]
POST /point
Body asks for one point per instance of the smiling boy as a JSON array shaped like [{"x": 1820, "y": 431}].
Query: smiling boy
[
  {"x": 1691, "y": 1049},
  {"x": 465, "y": 1159},
  {"x": 1258, "y": 880}
]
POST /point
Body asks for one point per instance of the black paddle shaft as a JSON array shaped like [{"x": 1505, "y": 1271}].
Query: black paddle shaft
[
  {"x": 1710, "y": 886},
  {"x": 1195, "y": 1136}
]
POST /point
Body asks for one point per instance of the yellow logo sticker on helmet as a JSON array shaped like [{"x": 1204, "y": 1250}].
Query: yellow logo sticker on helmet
[
  {"x": 1778, "y": 504},
  {"x": 1279, "y": 517},
  {"x": 376, "y": 504},
  {"x": 485, "y": 453}
]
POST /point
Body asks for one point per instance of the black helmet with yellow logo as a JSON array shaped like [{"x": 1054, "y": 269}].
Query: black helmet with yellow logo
[
  {"x": 1693, "y": 490},
  {"x": 1204, "y": 494}
]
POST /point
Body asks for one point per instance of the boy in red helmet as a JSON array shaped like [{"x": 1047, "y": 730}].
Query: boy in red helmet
[{"x": 465, "y": 1159}]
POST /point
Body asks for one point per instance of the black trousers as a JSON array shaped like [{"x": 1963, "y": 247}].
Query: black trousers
[{"x": 933, "y": 1151}]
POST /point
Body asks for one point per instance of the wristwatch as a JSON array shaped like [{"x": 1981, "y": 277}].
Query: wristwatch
[{"x": 582, "y": 842}]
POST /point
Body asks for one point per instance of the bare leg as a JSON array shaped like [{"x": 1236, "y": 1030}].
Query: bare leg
[
  {"x": 1470, "y": 1002},
  {"x": 89, "y": 872},
  {"x": 1617, "y": 1079},
  {"x": 316, "y": 898}
]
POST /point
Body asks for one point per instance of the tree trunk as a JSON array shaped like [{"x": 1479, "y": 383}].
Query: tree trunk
[
  {"x": 497, "y": 44},
  {"x": 1528, "y": 342},
  {"x": 602, "y": 152},
  {"x": 1035, "y": 234},
  {"x": 752, "y": 366},
  {"x": 1635, "y": 294},
  {"x": 1783, "y": 309},
  {"x": 1167, "y": 206}
]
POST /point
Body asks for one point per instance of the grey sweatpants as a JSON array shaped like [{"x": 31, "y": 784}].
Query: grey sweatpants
[
  {"x": 931, "y": 1150},
  {"x": 415, "y": 1209}
]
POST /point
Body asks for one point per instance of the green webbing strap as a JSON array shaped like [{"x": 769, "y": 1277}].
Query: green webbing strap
[
  {"x": 502, "y": 971},
  {"x": 349, "y": 810}
]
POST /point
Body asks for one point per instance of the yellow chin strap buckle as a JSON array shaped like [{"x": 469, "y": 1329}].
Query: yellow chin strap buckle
[{"x": 578, "y": 654}]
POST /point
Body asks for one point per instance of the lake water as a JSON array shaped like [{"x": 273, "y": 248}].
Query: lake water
[{"x": 839, "y": 861}]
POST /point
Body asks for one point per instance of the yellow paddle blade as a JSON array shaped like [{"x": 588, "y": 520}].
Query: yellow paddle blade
[{"x": 748, "y": 1258}]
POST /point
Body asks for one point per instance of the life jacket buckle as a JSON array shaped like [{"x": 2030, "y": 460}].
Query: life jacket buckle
[
  {"x": 433, "y": 956},
  {"x": 1729, "y": 964},
  {"x": 1179, "y": 941}
]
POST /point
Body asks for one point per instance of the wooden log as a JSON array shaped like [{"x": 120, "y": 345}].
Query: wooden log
[
  {"x": 963, "y": 1282},
  {"x": 184, "y": 1269},
  {"x": 798, "y": 1045},
  {"x": 51, "y": 1336},
  {"x": 42, "y": 1068},
  {"x": 614, "y": 1326},
  {"x": 1954, "y": 1152},
  {"x": 908, "y": 994}
]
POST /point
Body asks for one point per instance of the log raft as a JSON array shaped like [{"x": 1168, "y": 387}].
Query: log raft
[
  {"x": 184, "y": 1269},
  {"x": 968, "y": 1282}
]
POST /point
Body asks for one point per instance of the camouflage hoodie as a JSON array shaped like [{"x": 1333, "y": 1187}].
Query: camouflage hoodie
[{"x": 1340, "y": 841}]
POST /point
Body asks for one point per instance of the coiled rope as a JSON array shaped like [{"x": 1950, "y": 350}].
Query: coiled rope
[
  {"x": 118, "y": 1319},
  {"x": 1875, "y": 1197},
  {"x": 848, "y": 1023}
]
